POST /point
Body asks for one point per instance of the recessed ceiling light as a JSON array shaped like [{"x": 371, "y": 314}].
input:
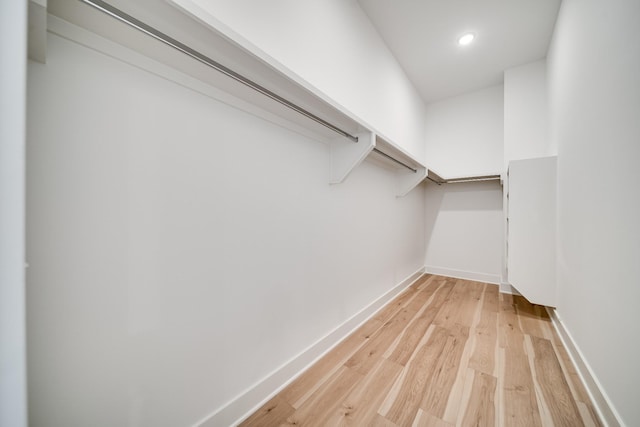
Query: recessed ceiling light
[{"x": 466, "y": 39}]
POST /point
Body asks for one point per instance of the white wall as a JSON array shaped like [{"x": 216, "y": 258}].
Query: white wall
[
  {"x": 464, "y": 134},
  {"x": 332, "y": 46},
  {"x": 464, "y": 222},
  {"x": 464, "y": 230},
  {"x": 181, "y": 250},
  {"x": 594, "y": 78},
  {"x": 526, "y": 129},
  {"x": 13, "y": 60},
  {"x": 526, "y": 121}
]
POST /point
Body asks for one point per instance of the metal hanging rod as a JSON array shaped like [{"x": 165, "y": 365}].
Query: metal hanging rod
[
  {"x": 158, "y": 35},
  {"x": 473, "y": 179},
  {"x": 439, "y": 180},
  {"x": 395, "y": 160}
]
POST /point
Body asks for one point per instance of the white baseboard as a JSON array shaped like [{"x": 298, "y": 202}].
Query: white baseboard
[
  {"x": 257, "y": 395},
  {"x": 461, "y": 274},
  {"x": 506, "y": 288},
  {"x": 602, "y": 404}
]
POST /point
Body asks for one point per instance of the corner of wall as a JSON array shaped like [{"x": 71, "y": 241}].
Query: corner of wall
[
  {"x": 603, "y": 405},
  {"x": 257, "y": 395}
]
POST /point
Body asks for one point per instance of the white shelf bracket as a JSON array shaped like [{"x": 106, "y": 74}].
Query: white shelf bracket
[
  {"x": 347, "y": 155},
  {"x": 408, "y": 180}
]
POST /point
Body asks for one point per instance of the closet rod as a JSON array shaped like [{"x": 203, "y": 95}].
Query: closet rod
[
  {"x": 141, "y": 26},
  {"x": 395, "y": 160},
  {"x": 438, "y": 180},
  {"x": 473, "y": 179}
]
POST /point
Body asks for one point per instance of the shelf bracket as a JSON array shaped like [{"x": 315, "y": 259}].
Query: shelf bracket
[
  {"x": 408, "y": 180},
  {"x": 347, "y": 155}
]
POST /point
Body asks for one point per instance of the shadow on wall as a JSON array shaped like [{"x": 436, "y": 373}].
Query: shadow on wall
[
  {"x": 464, "y": 229},
  {"x": 469, "y": 196}
]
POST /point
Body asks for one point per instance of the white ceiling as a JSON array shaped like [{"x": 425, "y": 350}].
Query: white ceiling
[{"x": 422, "y": 34}]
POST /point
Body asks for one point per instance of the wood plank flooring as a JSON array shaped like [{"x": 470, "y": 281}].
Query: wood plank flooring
[{"x": 446, "y": 352}]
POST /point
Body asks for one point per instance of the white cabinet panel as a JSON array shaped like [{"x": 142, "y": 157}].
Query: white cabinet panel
[{"x": 532, "y": 229}]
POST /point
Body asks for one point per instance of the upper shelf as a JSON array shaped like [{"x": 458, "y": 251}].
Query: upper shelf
[
  {"x": 198, "y": 37},
  {"x": 434, "y": 177},
  {"x": 409, "y": 172},
  {"x": 163, "y": 33}
]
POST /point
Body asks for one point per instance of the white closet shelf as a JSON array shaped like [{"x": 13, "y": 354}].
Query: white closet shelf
[
  {"x": 409, "y": 172},
  {"x": 437, "y": 179},
  {"x": 191, "y": 46},
  {"x": 200, "y": 38}
]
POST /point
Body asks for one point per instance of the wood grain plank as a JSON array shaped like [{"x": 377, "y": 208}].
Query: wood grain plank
[
  {"x": 485, "y": 333},
  {"x": 361, "y": 405},
  {"x": 389, "y": 310},
  {"x": 483, "y": 357},
  {"x": 570, "y": 372},
  {"x": 480, "y": 410},
  {"x": 530, "y": 318},
  {"x": 578, "y": 390},
  {"x": 445, "y": 372},
  {"x": 520, "y": 404},
  {"x": 423, "y": 281},
  {"x": 500, "y": 369},
  {"x": 302, "y": 387},
  {"x": 442, "y": 345},
  {"x": 510, "y": 334},
  {"x": 456, "y": 398},
  {"x": 556, "y": 392},
  {"x": 416, "y": 330},
  {"x": 273, "y": 413},
  {"x": 321, "y": 404},
  {"x": 491, "y": 301},
  {"x": 406, "y": 402},
  {"x": 543, "y": 409},
  {"x": 460, "y": 305},
  {"x": 366, "y": 357},
  {"x": 424, "y": 419},
  {"x": 589, "y": 417},
  {"x": 380, "y": 421},
  {"x": 452, "y": 302}
]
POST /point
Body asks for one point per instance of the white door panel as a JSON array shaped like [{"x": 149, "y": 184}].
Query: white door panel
[{"x": 532, "y": 229}]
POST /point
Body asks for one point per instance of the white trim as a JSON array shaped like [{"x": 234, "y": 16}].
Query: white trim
[
  {"x": 258, "y": 394},
  {"x": 601, "y": 402},
  {"x": 462, "y": 274},
  {"x": 506, "y": 288},
  {"x": 13, "y": 87}
]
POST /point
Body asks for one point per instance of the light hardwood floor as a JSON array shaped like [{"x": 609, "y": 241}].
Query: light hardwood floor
[{"x": 446, "y": 352}]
